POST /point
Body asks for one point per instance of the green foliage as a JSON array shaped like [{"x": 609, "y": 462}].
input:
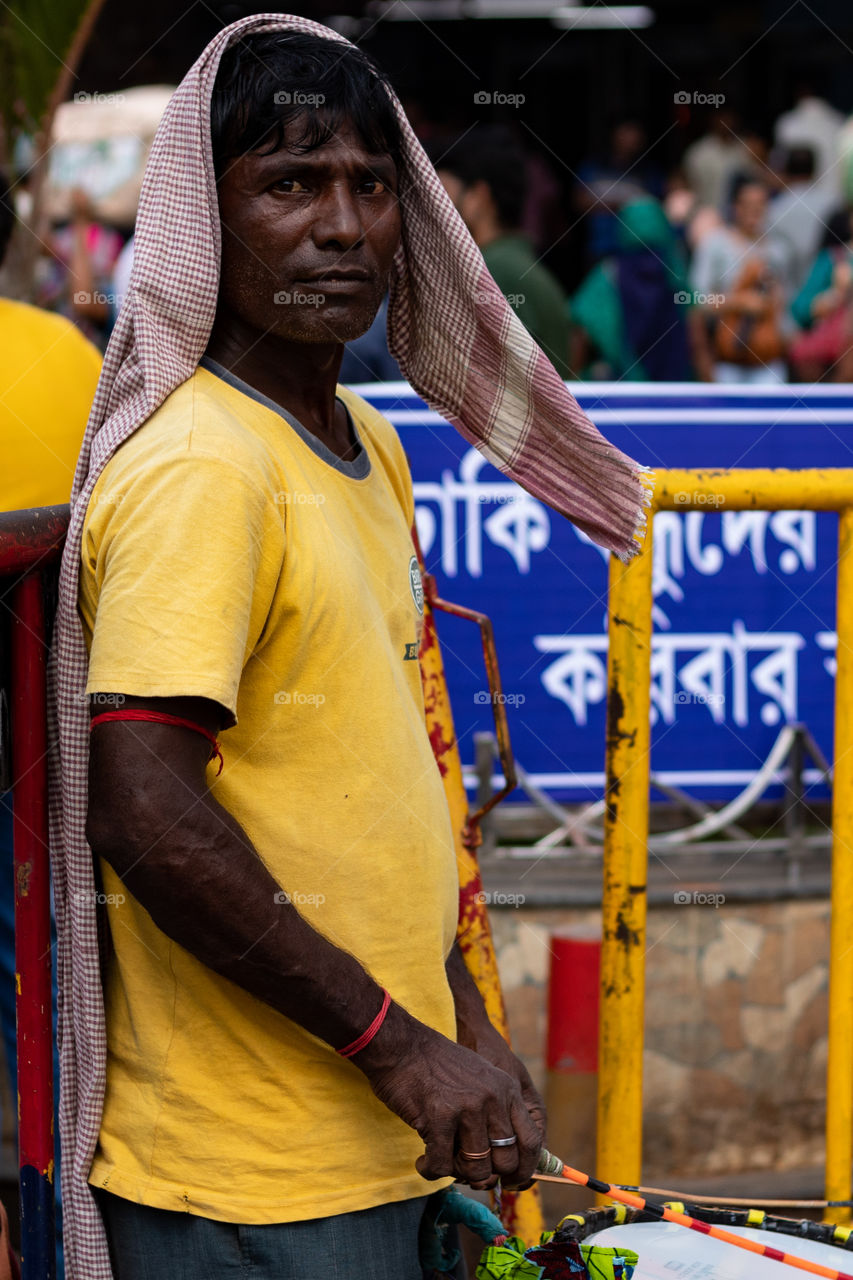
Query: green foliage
[{"x": 36, "y": 38}]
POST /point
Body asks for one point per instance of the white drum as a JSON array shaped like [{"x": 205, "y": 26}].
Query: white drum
[{"x": 669, "y": 1252}]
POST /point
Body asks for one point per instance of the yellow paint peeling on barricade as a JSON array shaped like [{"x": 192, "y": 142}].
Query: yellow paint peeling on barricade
[
  {"x": 626, "y": 818},
  {"x": 620, "y": 1042},
  {"x": 839, "y": 1069},
  {"x": 521, "y": 1212}
]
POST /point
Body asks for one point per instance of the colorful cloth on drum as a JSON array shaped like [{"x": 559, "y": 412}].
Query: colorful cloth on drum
[
  {"x": 609, "y": 1264},
  {"x": 462, "y": 349},
  {"x": 553, "y": 1261},
  {"x": 507, "y": 1262}
]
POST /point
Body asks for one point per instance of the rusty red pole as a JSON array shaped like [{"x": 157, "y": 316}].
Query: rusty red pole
[{"x": 32, "y": 928}]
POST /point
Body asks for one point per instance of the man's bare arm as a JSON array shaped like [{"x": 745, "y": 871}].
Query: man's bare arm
[{"x": 194, "y": 869}]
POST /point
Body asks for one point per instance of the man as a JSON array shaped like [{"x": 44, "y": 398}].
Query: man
[
  {"x": 484, "y": 176},
  {"x": 48, "y": 376},
  {"x": 714, "y": 160},
  {"x": 800, "y": 212},
  {"x": 283, "y": 999},
  {"x": 606, "y": 181},
  {"x": 812, "y": 122},
  {"x": 740, "y": 271},
  {"x": 308, "y": 629}
]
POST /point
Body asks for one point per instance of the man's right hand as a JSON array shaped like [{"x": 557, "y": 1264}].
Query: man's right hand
[{"x": 457, "y": 1102}]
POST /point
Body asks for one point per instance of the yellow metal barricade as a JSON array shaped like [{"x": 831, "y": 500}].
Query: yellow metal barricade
[
  {"x": 620, "y": 1099},
  {"x": 521, "y": 1211}
]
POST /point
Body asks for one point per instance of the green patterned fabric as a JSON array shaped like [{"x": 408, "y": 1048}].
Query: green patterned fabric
[
  {"x": 507, "y": 1262},
  {"x": 608, "y": 1264}
]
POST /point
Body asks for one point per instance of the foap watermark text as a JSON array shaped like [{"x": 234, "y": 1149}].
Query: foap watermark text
[
  {"x": 695, "y": 298},
  {"x": 695, "y": 498},
  {"x": 484, "y": 696},
  {"x": 696, "y": 98},
  {"x": 697, "y": 898},
  {"x": 284, "y": 98},
  {"x": 500, "y": 899},
  {"x": 296, "y": 698},
  {"x": 486, "y": 98}
]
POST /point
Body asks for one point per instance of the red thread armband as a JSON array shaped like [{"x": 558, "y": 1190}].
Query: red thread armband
[
  {"x": 366, "y": 1036},
  {"x": 161, "y": 717}
]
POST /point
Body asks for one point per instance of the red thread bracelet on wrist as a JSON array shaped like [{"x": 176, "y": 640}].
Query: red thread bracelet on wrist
[
  {"x": 161, "y": 717},
  {"x": 366, "y": 1036}
]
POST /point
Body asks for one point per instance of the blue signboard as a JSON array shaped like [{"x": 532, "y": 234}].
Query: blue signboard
[{"x": 744, "y": 601}]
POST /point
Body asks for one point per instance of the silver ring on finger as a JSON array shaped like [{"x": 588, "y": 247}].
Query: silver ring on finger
[{"x": 504, "y": 1142}]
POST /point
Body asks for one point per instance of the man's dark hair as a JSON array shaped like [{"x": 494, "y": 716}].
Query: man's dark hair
[
  {"x": 271, "y": 78},
  {"x": 800, "y": 162},
  {"x": 491, "y": 155},
  {"x": 742, "y": 181},
  {"x": 7, "y": 215}
]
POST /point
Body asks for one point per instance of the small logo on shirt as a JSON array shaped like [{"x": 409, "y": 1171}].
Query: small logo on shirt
[
  {"x": 411, "y": 653},
  {"x": 416, "y": 583}
]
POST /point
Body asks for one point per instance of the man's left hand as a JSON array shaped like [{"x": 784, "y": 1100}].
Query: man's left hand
[
  {"x": 475, "y": 1031},
  {"x": 490, "y": 1044}
]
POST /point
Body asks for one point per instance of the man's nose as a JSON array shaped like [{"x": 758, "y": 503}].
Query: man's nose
[{"x": 338, "y": 218}]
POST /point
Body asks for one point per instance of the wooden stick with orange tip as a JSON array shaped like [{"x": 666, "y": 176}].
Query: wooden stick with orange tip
[
  {"x": 550, "y": 1165},
  {"x": 719, "y": 1201}
]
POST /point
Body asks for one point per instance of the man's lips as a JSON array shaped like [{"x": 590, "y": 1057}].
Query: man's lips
[{"x": 337, "y": 275}]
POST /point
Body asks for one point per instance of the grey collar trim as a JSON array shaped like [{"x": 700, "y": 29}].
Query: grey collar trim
[{"x": 356, "y": 469}]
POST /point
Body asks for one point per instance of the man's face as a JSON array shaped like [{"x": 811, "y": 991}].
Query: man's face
[
  {"x": 471, "y": 202},
  {"x": 295, "y": 225},
  {"x": 628, "y": 142},
  {"x": 750, "y": 209}
]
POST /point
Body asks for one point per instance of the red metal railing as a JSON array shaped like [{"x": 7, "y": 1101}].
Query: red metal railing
[{"x": 30, "y": 545}]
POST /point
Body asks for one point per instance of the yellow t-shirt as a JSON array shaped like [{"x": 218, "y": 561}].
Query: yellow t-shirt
[
  {"x": 48, "y": 376},
  {"x": 227, "y": 554}
]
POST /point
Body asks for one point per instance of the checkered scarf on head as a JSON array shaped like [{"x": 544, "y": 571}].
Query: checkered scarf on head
[{"x": 462, "y": 349}]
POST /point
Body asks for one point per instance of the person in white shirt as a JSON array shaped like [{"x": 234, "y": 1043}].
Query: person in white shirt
[
  {"x": 736, "y": 277},
  {"x": 814, "y": 123},
  {"x": 712, "y": 161},
  {"x": 800, "y": 212}
]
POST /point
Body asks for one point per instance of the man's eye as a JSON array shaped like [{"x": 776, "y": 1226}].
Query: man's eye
[
  {"x": 289, "y": 185},
  {"x": 376, "y": 185}
]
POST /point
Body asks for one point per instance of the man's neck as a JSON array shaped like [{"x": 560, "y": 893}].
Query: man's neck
[{"x": 300, "y": 376}]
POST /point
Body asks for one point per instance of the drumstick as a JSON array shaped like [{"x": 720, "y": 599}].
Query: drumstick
[
  {"x": 553, "y": 1165},
  {"x": 727, "y": 1202}
]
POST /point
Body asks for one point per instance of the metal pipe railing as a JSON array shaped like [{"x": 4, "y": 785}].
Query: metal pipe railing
[
  {"x": 30, "y": 542},
  {"x": 32, "y": 929},
  {"x": 625, "y": 865},
  {"x": 626, "y": 839},
  {"x": 839, "y": 1067}
]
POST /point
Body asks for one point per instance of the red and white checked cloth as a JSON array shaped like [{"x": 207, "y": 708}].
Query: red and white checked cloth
[{"x": 462, "y": 349}]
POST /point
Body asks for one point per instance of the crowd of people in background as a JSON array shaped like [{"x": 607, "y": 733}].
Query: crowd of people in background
[{"x": 736, "y": 266}]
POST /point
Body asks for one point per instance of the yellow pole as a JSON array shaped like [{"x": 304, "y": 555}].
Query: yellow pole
[
  {"x": 839, "y": 1073},
  {"x": 626, "y": 824}
]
